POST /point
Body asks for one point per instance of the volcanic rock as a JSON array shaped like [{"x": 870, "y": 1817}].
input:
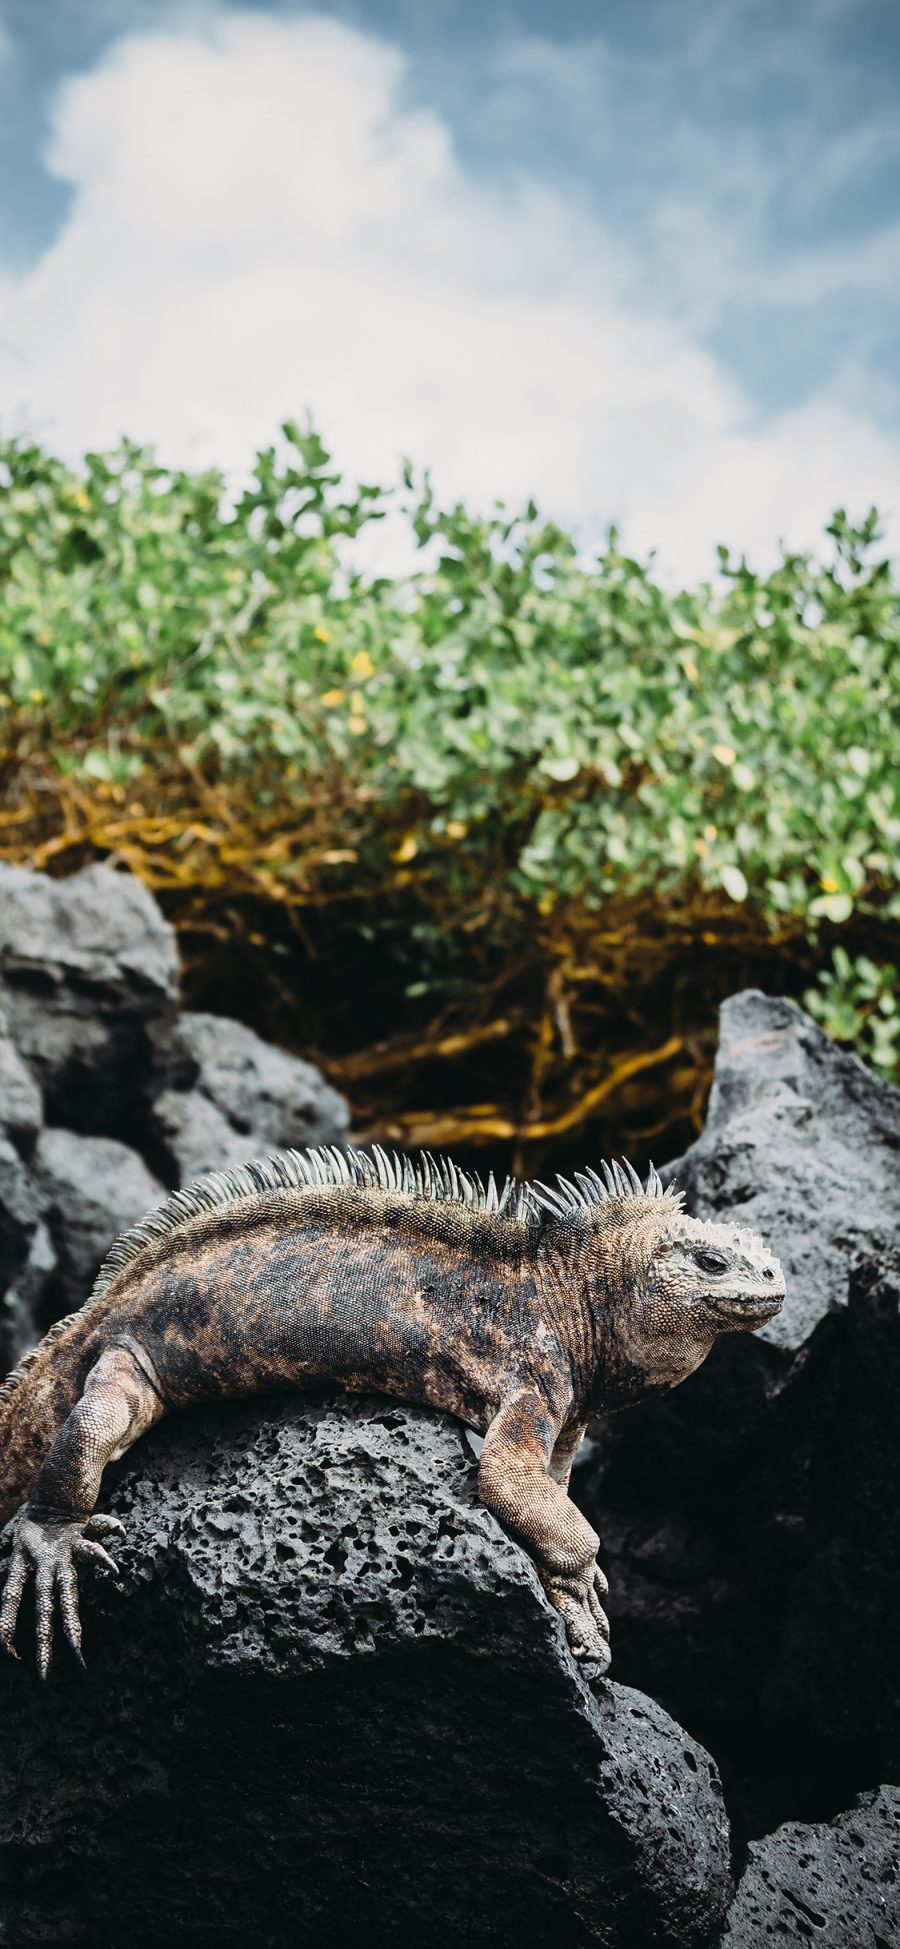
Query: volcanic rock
[
  {"x": 21, "y": 1110},
  {"x": 88, "y": 966},
  {"x": 801, "y": 1143},
  {"x": 329, "y": 1701},
  {"x": 91, "y": 1188},
  {"x": 721, "y": 1505},
  {"x": 248, "y": 1097},
  {"x": 837, "y": 1886},
  {"x": 836, "y": 1677},
  {"x": 21, "y": 1238}
]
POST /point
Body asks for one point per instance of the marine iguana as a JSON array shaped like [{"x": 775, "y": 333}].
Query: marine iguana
[{"x": 522, "y": 1312}]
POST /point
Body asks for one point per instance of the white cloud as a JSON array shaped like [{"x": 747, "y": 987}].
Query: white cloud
[{"x": 260, "y": 226}]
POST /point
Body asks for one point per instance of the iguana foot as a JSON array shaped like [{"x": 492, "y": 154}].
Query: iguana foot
[
  {"x": 51, "y": 1550},
  {"x": 577, "y": 1598}
]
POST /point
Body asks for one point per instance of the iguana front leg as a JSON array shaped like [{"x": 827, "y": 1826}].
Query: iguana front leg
[
  {"x": 565, "y": 1449},
  {"x": 522, "y": 1452},
  {"x": 52, "y": 1531}
]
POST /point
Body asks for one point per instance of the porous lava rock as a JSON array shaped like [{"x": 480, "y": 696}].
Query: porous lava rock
[
  {"x": 91, "y": 1188},
  {"x": 721, "y": 1505},
  {"x": 801, "y": 1143},
  {"x": 246, "y": 1098},
  {"x": 835, "y": 1677},
  {"x": 21, "y": 1108},
  {"x": 21, "y": 1237},
  {"x": 88, "y": 968},
  {"x": 107, "y": 1095},
  {"x": 28, "y": 1297},
  {"x": 837, "y": 1886},
  {"x": 329, "y": 1701}
]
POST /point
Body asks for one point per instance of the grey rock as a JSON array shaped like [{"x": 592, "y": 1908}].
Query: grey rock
[
  {"x": 21, "y": 1109},
  {"x": 836, "y": 1885},
  {"x": 87, "y": 966},
  {"x": 835, "y": 1679},
  {"x": 721, "y": 1505},
  {"x": 801, "y": 1143},
  {"x": 24, "y": 1309},
  {"x": 247, "y": 1097},
  {"x": 91, "y": 1188},
  {"x": 196, "y": 1136},
  {"x": 329, "y": 1701},
  {"x": 21, "y": 1212}
]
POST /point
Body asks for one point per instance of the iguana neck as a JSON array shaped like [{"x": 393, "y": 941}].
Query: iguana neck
[{"x": 591, "y": 1293}]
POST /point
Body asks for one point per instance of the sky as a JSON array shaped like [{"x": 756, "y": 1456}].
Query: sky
[{"x": 639, "y": 259}]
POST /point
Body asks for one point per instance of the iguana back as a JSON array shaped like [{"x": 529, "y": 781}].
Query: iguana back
[{"x": 231, "y": 1240}]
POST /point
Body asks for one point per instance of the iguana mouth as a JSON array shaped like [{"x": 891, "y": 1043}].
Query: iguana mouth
[{"x": 757, "y": 1307}]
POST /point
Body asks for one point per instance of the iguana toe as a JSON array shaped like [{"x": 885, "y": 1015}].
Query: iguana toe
[
  {"x": 103, "y": 1526},
  {"x": 50, "y": 1552},
  {"x": 587, "y": 1628}
]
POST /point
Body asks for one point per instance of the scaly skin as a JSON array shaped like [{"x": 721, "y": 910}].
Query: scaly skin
[{"x": 524, "y": 1321}]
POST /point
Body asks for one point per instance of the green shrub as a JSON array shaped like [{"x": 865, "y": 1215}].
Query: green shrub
[
  {"x": 856, "y": 1003},
  {"x": 501, "y": 760}
]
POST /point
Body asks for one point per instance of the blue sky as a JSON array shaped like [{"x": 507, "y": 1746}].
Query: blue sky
[{"x": 642, "y": 260}]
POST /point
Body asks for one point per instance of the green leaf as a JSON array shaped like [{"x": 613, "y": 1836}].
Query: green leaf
[
  {"x": 561, "y": 768},
  {"x": 734, "y": 882},
  {"x": 836, "y": 907}
]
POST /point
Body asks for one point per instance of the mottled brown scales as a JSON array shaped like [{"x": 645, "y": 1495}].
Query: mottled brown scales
[{"x": 523, "y": 1313}]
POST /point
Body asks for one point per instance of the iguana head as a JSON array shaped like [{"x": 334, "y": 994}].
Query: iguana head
[
  {"x": 718, "y": 1278},
  {"x": 659, "y": 1286},
  {"x": 690, "y": 1280}
]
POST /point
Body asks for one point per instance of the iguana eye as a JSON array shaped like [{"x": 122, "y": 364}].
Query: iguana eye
[{"x": 709, "y": 1260}]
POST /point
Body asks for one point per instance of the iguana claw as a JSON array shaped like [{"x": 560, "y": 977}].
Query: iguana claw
[
  {"x": 577, "y": 1598},
  {"x": 51, "y": 1550}
]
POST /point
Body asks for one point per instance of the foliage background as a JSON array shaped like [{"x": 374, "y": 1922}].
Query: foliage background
[{"x": 489, "y": 841}]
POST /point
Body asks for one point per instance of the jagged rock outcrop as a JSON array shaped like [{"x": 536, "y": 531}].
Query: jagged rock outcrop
[
  {"x": 88, "y": 968},
  {"x": 21, "y": 1109},
  {"x": 26, "y": 1253},
  {"x": 837, "y": 1886},
  {"x": 27, "y": 1300},
  {"x": 90, "y": 1188},
  {"x": 330, "y": 1701},
  {"x": 721, "y": 1504},
  {"x": 801, "y": 1143},
  {"x": 835, "y": 1676},
  {"x": 21, "y": 1237},
  {"x": 244, "y": 1093},
  {"x": 105, "y": 1089}
]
